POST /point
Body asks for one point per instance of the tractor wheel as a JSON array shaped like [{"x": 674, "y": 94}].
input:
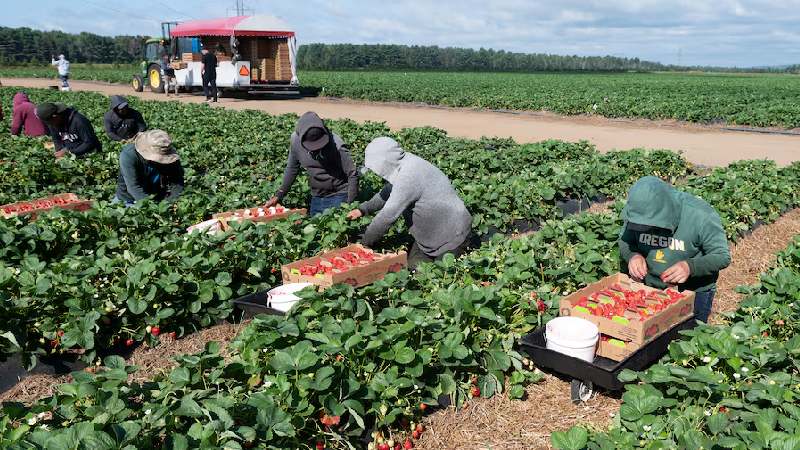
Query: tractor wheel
[
  {"x": 154, "y": 79},
  {"x": 137, "y": 83}
]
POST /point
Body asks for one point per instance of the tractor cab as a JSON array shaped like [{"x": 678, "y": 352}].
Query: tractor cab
[{"x": 154, "y": 49}]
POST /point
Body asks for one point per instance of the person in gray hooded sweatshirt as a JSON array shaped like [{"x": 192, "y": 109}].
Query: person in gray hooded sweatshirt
[
  {"x": 332, "y": 175},
  {"x": 122, "y": 122},
  {"x": 437, "y": 218}
]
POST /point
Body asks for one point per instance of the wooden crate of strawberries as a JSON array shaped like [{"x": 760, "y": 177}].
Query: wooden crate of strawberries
[
  {"x": 355, "y": 265},
  {"x": 33, "y": 208},
  {"x": 628, "y": 312},
  {"x": 259, "y": 214}
]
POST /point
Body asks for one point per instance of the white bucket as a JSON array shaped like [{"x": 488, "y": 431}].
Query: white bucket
[
  {"x": 282, "y": 298},
  {"x": 572, "y": 336}
]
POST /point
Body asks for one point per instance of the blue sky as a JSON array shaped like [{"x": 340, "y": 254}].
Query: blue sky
[{"x": 720, "y": 32}]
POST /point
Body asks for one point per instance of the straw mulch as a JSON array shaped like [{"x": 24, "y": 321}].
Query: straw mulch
[{"x": 151, "y": 362}]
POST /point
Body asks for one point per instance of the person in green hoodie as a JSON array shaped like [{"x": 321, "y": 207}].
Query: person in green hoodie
[{"x": 672, "y": 238}]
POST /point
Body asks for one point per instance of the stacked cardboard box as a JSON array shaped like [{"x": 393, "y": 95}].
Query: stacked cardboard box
[{"x": 191, "y": 57}]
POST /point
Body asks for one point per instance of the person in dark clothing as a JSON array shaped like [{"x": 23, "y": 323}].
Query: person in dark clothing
[
  {"x": 417, "y": 190},
  {"x": 121, "y": 121},
  {"x": 672, "y": 238},
  {"x": 24, "y": 117},
  {"x": 149, "y": 167},
  {"x": 209, "y": 72},
  {"x": 332, "y": 175},
  {"x": 70, "y": 130}
]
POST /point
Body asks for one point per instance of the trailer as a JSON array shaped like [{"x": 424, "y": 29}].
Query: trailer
[{"x": 255, "y": 54}]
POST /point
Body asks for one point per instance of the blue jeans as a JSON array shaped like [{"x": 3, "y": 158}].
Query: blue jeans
[
  {"x": 64, "y": 80},
  {"x": 702, "y": 304},
  {"x": 320, "y": 204}
]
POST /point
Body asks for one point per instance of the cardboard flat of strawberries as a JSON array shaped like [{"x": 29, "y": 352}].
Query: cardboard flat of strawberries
[
  {"x": 355, "y": 265},
  {"x": 33, "y": 208},
  {"x": 259, "y": 214},
  {"x": 629, "y": 314}
]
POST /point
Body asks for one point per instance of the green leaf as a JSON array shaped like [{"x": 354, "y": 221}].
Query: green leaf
[
  {"x": 189, "y": 408},
  {"x": 575, "y": 438},
  {"x": 404, "y": 355}
]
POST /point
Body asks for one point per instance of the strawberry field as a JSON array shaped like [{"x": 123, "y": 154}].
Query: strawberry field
[
  {"x": 345, "y": 362},
  {"x": 759, "y": 100}
]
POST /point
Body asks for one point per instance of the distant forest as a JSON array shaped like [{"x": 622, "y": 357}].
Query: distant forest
[{"x": 20, "y": 46}]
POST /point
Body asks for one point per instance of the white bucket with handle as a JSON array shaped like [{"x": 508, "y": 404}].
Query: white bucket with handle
[
  {"x": 282, "y": 298},
  {"x": 572, "y": 336}
]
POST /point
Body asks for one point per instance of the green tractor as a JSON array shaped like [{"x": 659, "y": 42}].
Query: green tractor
[{"x": 154, "y": 48}]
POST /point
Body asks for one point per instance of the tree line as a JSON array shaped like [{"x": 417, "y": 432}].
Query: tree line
[{"x": 28, "y": 46}]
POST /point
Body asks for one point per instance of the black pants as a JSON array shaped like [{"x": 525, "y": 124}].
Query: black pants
[
  {"x": 210, "y": 84},
  {"x": 416, "y": 256}
]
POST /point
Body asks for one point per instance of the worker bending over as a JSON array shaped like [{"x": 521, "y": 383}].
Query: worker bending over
[
  {"x": 332, "y": 175},
  {"x": 437, "y": 218},
  {"x": 121, "y": 121},
  {"x": 149, "y": 168},
  {"x": 24, "y": 117},
  {"x": 672, "y": 238},
  {"x": 70, "y": 130}
]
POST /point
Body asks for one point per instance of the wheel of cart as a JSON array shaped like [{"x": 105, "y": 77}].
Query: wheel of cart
[{"x": 603, "y": 372}]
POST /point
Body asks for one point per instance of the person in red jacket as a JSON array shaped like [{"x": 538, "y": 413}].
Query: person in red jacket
[{"x": 25, "y": 117}]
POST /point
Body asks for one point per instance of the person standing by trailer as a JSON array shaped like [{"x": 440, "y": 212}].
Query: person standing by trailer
[
  {"x": 70, "y": 130},
  {"x": 150, "y": 167},
  {"x": 168, "y": 72},
  {"x": 672, "y": 238},
  {"x": 416, "y": 189},
  {"x": 24, "y": 117},
  {"x": 332, "y": 175},
  {"x": 63, "y": 70},
  {"x": 209, "y": 73},
  {"x": 122, "y": 122}
]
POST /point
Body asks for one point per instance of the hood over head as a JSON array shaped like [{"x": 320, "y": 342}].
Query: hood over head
[
  {"x": 312, "y": 132},
  {"x": 652, "y": 203},
  {"x": 383, "y": 156},
  {"x": 118, "y": 102},
  {"x": 20, "y": 98}
]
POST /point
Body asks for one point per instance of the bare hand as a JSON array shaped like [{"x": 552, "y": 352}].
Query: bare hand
[
  {"x": 60, "y": 154},
  {"x": 637, "y": 267},
  {"x": 354, "y": 214},
  {"x": 271, "y": 202},
  {"x": 677, "y": 274}
]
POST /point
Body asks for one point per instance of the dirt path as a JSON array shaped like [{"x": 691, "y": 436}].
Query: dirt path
[{"x": 709, "y": 146}]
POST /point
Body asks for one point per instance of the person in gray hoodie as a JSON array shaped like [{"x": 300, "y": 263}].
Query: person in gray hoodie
[
  {"x": 332, "y": 175},
  {"x": 435, "y": 214},
  {"x": 122, "y": 122}
]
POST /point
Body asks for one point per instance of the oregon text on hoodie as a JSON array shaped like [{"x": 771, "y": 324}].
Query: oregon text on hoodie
[
  {"x": 686, "y": 228},
  {"x": 439, "y": 221}
]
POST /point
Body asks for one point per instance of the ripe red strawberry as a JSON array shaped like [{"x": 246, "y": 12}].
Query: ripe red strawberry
[
  {"x": 383, "y": 446},
  {"x": 540, "y": 304},
  {"x": 172, "y": 335},
  {"x": 155, "y": 331},
  {"x": 398, "y": 446},
  {"x": 320, "y": 445},
  {"x": 415, "y": 434},
  {"x": 420, "y": 428},
  {"x": 129, "y": 343},
  {"x": 475, "y": 391},
  {"x": 408, "y": 444},
  {"x": 423, "y": 407},
  {"x": 723, "y": 409},
  {"x": 60, "y": 333}
]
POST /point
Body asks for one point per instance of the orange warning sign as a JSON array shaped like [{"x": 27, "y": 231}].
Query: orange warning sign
[{"x": 243, "y": 71}]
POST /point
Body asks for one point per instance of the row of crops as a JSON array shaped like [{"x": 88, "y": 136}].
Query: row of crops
[
  {"x": 363, "y": 359},
  {"x": 761, "y": 100}
]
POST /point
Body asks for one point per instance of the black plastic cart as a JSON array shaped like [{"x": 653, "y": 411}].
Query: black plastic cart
[{"x": 603, "y": 372}]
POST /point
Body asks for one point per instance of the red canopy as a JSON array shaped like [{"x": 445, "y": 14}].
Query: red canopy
[{"x": 233, "y": 26}]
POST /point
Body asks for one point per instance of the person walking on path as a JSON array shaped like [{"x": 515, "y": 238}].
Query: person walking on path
[
  {"x": 209, "y": 73},
  {"x": 416, "y": 189},
  {"x": 121, "y": 121},
  {"x": 70, "y": 130},
  {"x": 63, "y": 70},
  {"x": 332, "y": 175},
  {"x": 149, "y": 167},
  {"x": 672, "y": 238},
  {"x": 24, "y": 117}
]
